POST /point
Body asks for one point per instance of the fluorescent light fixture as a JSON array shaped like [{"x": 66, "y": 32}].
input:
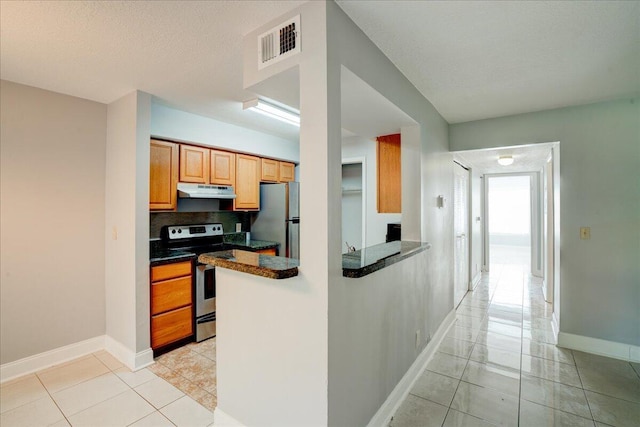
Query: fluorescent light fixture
[
  {"x": 505, "y": 160},
  {"x": 273, "y": 111}
]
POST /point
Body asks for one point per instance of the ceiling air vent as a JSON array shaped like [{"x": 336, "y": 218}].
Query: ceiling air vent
[{"x": 279, "y": 42}]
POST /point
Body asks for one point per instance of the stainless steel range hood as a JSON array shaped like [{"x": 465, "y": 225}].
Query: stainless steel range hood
[{"x": 201, "y": 191}]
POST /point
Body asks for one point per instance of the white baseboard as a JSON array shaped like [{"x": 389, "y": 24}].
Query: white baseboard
[
  {"x": 38, "y": 362},
  {"x": 133, "y": 361},
  {"x": 402, "y": 389},
  {"x": 49, "y": 358},
  {"x": 613, "y": 349},
  {"x": 221, "y": 418}
]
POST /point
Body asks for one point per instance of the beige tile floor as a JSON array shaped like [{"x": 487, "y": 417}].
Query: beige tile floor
[
  {"x": 97, "y": 390},
  {"x": 499, "y": 365},
  {"x": 192, "y": 370}
]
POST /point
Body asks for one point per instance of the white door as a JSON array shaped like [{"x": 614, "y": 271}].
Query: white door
[{"x": 461, "y": 230}]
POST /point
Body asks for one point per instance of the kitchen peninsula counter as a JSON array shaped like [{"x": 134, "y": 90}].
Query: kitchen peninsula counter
[
  {"x": 273, "y": 267},
  {"x": 373, "y": 258}
]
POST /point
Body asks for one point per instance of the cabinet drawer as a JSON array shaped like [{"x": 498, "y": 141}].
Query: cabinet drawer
[
  {"x": 171, "y": 326},
  {"x": 170, "y": 294},
  {"x": 169, "y": 271}
]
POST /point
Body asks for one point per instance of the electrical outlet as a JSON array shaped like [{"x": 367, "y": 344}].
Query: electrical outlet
[
  {"x": 418, "y": 338},
  {"x": 585, "y": 233},
  {"x": 238, "y": 227}
]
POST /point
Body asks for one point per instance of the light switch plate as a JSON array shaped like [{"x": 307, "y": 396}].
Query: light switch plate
[
  {"x": 238, "y": 227},
  {"x": 585, "y": 233}
]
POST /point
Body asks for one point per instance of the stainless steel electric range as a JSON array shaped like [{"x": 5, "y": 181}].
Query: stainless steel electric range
[{"x": 199, "y": 239}]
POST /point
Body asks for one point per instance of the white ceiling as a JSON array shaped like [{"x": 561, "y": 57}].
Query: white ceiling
[
  {"x": 482, "y": 59},
  {"x": 472, "y": 60},
  {"x": 188, "y": 54}
]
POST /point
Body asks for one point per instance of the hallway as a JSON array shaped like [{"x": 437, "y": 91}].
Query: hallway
[{"x": 498, "y": 365}]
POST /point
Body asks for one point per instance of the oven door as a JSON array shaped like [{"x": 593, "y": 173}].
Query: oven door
[{"x": 205, "y": 290}]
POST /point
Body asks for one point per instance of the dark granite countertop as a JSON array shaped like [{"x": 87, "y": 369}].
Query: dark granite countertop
[
  {"x": 159, "y": 255},
  {"x": 239, "y": 240},
  {"x": 262, "y": 244},
  {"x": 367, "y": 260},
  {"x": 166, "y": 256},
  {"x": 273, "y": 267}
]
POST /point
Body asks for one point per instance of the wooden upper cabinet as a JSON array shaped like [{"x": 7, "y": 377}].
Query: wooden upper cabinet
[
  {"x": 247, "y": 183},
  {"x": 194, "y": 164},
  {"x": 287, "y": 172},
  {"x": 163, "y": 175},
  {"x": 270, "y": 169},
  {"x": 223, "y": 168},
  {"x": 389, "y": 175}
]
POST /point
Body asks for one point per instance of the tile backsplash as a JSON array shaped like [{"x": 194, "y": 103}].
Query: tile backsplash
[{"x": 228, "y": 219}]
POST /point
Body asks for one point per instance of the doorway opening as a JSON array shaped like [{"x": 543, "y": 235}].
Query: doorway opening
[
  {"x": 509, "y": 220},
  {"x": 353, "y": 205}
]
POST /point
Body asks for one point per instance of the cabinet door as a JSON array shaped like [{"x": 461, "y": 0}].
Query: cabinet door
[
  {"x": 389, "y": 174},
  {"x": 194, "y": 164},
  {"x": 247, "y": 183},
  {"x": 269, "y": 170},
  {"x": 163, "y": 175},
  {"x": 223, "y": 168},
  {"x": 287, "y": 172}
]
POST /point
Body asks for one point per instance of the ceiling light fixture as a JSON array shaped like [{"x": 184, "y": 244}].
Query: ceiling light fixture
[
  {"x": 274, "y": 111},
  {"x": 505, "y": 160}
]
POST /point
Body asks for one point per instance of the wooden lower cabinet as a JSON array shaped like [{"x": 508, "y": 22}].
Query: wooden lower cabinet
[
  {"x": 171, "y": 303},
  {"x": 171, "y": 326}
]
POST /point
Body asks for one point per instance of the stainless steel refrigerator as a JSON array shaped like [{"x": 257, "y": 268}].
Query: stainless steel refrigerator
[{"x": 279, "y": 217}]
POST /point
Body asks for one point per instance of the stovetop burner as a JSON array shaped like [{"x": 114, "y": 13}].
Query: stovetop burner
[{"x": 196, "y": 238}]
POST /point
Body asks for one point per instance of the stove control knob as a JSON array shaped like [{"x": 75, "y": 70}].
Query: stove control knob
[
  {"x": 180, "y": 231},
  {"x": 173, "y": 231}
]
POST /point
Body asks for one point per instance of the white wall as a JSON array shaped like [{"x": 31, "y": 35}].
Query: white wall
[
  {"x": 51, "y": 220},
  {"x": 376, "y": 223},
  {"x": 327, "y": 372},
  {"x": 372, "y": 322},
  {"x": 272, "y": 335},
  {"x": 600, "y": 188},
  {"x": 178, "y": 125},
  {"x": 127, "y": 229}
]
